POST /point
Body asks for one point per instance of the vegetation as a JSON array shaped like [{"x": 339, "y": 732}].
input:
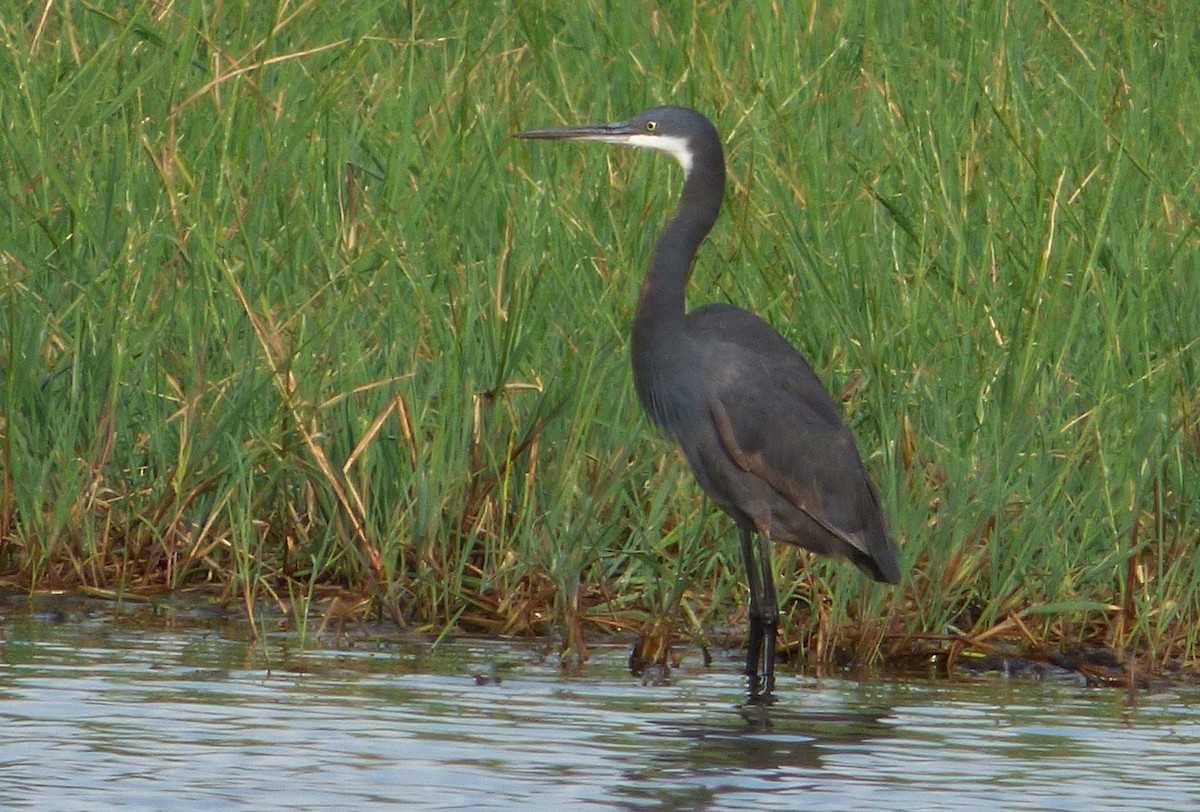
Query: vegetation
[{"x": 288, "y": 314}]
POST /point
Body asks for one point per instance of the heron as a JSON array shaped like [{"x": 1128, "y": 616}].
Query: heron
[{"x": 764, "y": 439}]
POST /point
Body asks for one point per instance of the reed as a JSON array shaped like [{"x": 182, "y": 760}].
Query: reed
[{"x": 287, "y": 314}]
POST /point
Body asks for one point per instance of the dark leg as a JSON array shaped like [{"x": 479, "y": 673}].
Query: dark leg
[
  {"x": 769, "y": 605},
  {"x": 764, "y": 617},
  {"x": 755, "y": 639}
]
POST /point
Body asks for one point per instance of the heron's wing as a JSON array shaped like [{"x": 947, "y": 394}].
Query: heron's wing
[
  {"x": 811, "y": 462},
  {"x": 776, "y": 421}
]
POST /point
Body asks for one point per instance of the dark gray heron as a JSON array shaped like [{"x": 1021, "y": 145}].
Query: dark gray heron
[{"x": 764, "y": 439}]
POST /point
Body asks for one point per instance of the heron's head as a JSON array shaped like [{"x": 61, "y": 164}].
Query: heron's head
[{"x": 677, "y": 131}]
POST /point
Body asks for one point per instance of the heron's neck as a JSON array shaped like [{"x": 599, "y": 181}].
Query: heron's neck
[{"x": 661, "y": 303}]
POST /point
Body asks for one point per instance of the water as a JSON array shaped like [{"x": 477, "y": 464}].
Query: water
[{"x": 103, "y": 709}]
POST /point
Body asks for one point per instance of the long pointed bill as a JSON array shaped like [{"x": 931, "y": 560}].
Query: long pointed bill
[
  {"x": 620, "y": 132},
  {"x": 631, "y": 133}
]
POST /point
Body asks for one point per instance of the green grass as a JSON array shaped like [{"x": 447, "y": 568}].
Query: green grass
[{"x": 287, "y": 313}]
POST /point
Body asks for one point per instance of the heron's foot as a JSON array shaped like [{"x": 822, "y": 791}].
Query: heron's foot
[
  {"x": 762, "y": 688},
  {"x": 761, "y": 692},
  {"x": 760, "y": 658}
]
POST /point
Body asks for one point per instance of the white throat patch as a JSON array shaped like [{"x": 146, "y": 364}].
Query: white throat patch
[{"x": 676, "y": 147}]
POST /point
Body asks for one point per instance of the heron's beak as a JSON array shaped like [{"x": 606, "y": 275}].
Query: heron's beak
[
  {"x": 616, "y": 133},
  {"x": 633, "y": 133}
]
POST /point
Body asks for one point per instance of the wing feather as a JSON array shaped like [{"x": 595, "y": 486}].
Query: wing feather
[{"x": 775, "y": 420}]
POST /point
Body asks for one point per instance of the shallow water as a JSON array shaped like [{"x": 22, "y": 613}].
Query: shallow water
[{"x": 103, "y": 708}]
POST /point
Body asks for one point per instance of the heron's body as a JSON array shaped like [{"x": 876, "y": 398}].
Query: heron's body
[
  {"x": 762, "y": 436},
  {"x": 726, "y": 421}
]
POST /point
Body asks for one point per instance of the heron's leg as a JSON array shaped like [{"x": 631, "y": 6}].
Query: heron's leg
[
  {"x": 755, "y": 639},
  {"x": 769, "y": 617}
]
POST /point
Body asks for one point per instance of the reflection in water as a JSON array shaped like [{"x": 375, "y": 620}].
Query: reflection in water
[
  {"x": 765, "y": 741},
  {"x": 166, "y": 710},
  {"x": 759, "y": 745}
]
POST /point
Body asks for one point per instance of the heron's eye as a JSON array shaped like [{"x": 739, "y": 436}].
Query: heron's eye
[{"x": 651, "y": 126}]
